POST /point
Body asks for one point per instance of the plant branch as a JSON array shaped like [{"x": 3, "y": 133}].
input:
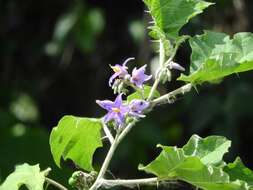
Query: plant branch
[
  {"x": 105, "y": 163},
  {"x": 161, "y": 65},
  {"x": 171, "y": 96},
  {"x": 110, "y": 153},
  {"x": 132, "y": 182},
  {"x": 128, "y": 182},
  {"x": 56, "y": 184},
  {"x": 126, "y": 130},
  {"x": 108, "y": 133}
]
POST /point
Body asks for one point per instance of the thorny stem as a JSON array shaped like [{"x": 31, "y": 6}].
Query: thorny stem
[
  {"x": 131, "y": 182},
  {"x": 100, "y": 181},
  {"x": 126, "y": 130},
  {"x": 105, "y": 163},
  {"x": 56, "y": 184},
  {"x": 128, "y": 182},
  {"x": 171, "y": 96},
  {"x": 110, "y": 153},
  {"x": 161, "y": 65},
  {"x": 108, "y": 133}
]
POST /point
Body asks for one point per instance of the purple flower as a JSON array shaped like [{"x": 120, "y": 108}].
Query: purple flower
[
  {"x": 139, "y": 77},
  {"x": 116, "y": 110},
  {"x": 137, "y": 107},
  {"x": 119, "y": 71}
]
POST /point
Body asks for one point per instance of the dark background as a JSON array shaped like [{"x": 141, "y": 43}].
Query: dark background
[{"x": 54, "y": 57}]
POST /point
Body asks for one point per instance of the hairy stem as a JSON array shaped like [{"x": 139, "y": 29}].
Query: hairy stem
[
  {"x": 128, "y": 182},
  {"x": 161, "y": 65},
  {"x": 126, "y": 130},
  {"x": 105, "y": 163},
  {"x": 133, "y": 182},
  {"x": 110, "y": 153},
  {"x": 171, "y": 96},
  {"x": 108, "y": 133},
  {"x": 56, "y": 184}
]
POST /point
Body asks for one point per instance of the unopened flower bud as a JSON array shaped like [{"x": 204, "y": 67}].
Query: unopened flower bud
[
  {"x": 174, "y": 65},
  {"x": 165, "y": 75}
]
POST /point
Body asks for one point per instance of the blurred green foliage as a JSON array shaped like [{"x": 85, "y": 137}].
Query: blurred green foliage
[
  {"x": 72, "y": 26},
  {"x": 50, "y": 50}
]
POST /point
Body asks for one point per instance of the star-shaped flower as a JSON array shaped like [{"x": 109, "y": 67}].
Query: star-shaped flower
[
  {"x": 120, "y": 71},
  {"x": 136, "y": 108},
  {"x": 139, "y": 77},
  {"x": 116, "y": 110}
]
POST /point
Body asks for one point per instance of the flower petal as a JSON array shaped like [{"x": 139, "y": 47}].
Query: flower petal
[
  {"x": 127, "y": 60},
  {"x": 112, "y": 78},
  {"x": 120, "y": 118},
  {"x": 106, "y": 104},
  {"x": 118, "y": 101},
  {"x": 138, "y": 105},
  {"x": 109, "y": 116},
  {"x": 147, "y": 77}
]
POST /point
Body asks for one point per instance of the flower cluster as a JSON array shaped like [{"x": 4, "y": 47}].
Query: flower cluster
[
  {"x": 118, "y": 111},
  {"x": 137, "y": 78}
]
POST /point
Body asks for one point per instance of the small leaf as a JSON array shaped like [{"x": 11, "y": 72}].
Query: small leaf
[
  {"x": 210, "y": 150},
  {"x": 215, "y": 55},
  {"x": 27, "y": 175},
  {"x": 144, "y": 95},
  {"x": 171, "y": 15},
  {"x": 237, "y": 170},
  {"x": 77, "y": 139}
]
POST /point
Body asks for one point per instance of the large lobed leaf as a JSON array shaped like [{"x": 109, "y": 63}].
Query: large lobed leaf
[
  {"x": 27, "y": 175},
  {"x": 215, "y": 55},
  {"x": 196, "y": 163},
  {"x": 171, "y": 15},
  {"x": 77, "y": 139}
]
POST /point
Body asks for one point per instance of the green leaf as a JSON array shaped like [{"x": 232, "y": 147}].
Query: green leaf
[
  {"x": 215, "y": 55},
  {"x": 171, "y": 15},
  {"x": 172, "y": 163},
  {"x": 77, "y": 139},
  {"x": 237, "y": 171},
  {"x": 210, "y": 150},
  {"x": 27, "y": 175},
  {"x": 193, "y": 164},
  {"x": 142, "y": 95}
]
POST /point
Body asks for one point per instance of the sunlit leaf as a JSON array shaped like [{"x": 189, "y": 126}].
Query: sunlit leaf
[
  {"x": 215, "y": 55},
  {"x": 77, "y": 139},
  {"x": 210, "y": 150},
  {"x": 193, "y": 164},
  {"x": 27, "y": 175},
  {"x": 171, "y": 15},
  {"x": 237, "y": 171},
  {"x": 172, "y": 163}
]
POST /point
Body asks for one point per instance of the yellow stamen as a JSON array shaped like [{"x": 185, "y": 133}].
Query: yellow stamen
[
  {"x": 115, "y": 69},
  {"x": 117, "y": 110}
]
